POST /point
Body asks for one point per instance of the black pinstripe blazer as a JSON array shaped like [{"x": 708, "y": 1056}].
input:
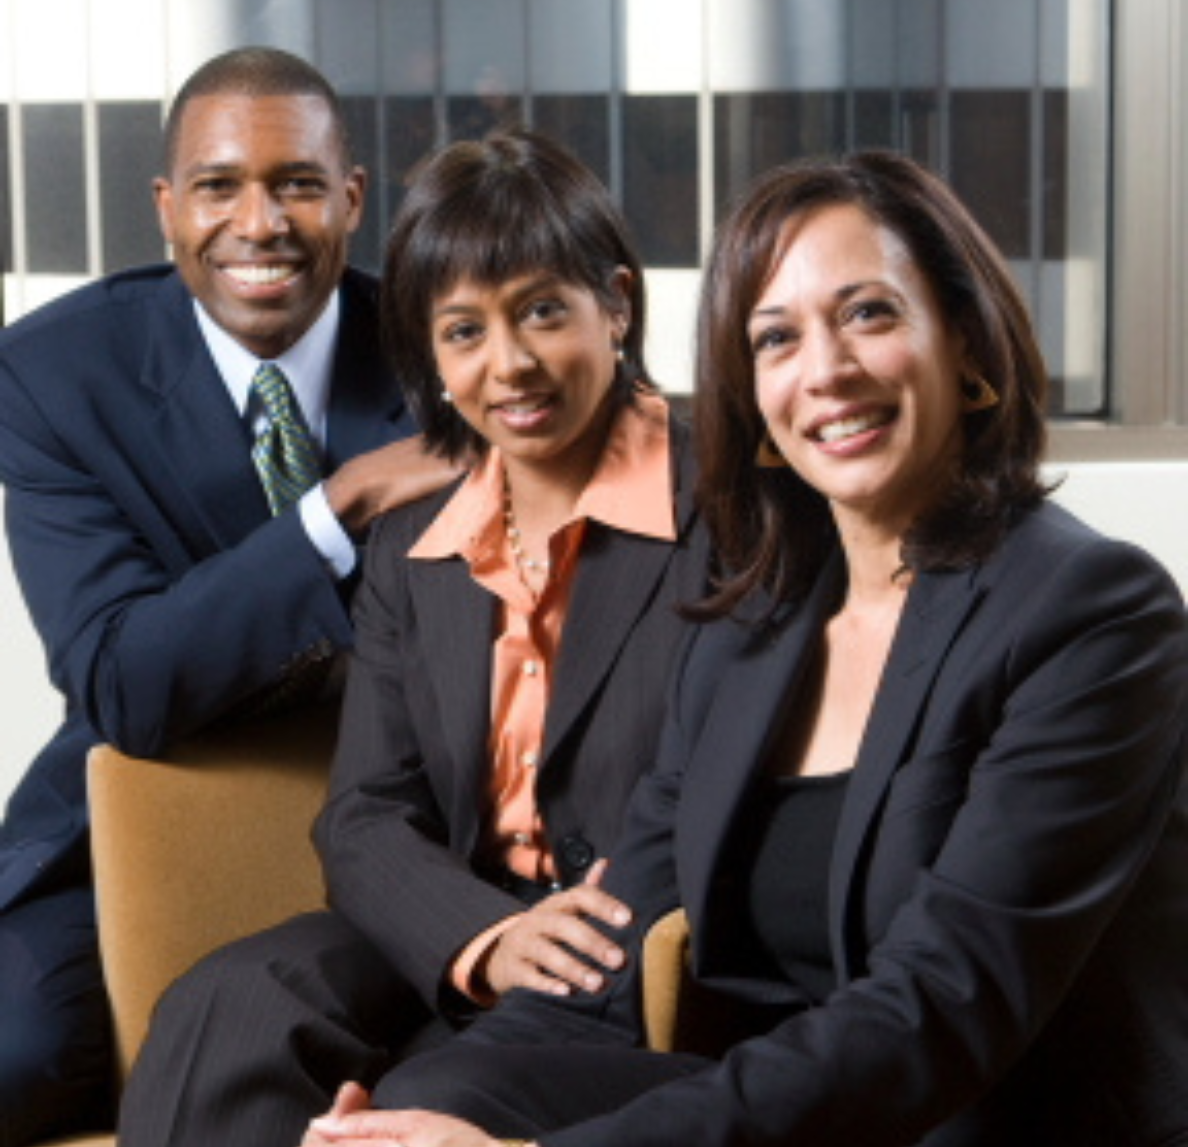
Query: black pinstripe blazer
[{"x": 409, "y": 784}]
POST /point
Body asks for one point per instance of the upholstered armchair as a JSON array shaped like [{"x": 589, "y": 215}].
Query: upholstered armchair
[{"x": 212, "y": 843}]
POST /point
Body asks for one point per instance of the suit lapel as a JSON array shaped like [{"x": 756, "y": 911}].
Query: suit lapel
[
  {"x": 197, "y": 437},
  {"x": 746, "y": 712},
  {"x": 934, "y": 613},
  {"x": 458, "y": 620},
  {"x": 368, "y": 411},
  {"x": 616, "y": 580}
]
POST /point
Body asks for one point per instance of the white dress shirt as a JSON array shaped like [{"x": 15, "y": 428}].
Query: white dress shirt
[{"x": 308, "y": 365}]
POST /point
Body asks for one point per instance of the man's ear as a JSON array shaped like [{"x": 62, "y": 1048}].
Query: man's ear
[
  {"x": 356, "y": 189},
  {"x": 163, "y": 199}
]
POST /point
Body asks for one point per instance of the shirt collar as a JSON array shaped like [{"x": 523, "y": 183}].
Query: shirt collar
[
  {"x": 308, "y": 364},
  {"x": 631, "y": 490}
]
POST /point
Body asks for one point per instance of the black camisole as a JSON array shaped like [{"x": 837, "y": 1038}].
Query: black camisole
[{"x": 784, "y": 868}]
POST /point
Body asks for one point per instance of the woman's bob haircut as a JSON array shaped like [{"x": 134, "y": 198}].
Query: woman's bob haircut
[{"x": 491, "y": 210}]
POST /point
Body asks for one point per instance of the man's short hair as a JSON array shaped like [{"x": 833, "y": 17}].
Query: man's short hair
[{"x": 255, "y": 71}]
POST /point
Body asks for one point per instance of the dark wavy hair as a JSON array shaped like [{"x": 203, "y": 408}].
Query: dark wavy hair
[
  {"x": 256, "y": 72},
  {"x": 512, "y": 203},
  {"x": 771, "y": 530}
]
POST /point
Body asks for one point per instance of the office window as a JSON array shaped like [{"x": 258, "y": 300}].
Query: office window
[
  {"x": 362, "y": 115},
  {"x": 409, "y": 132},
  {"x": 660, "y": 177},
  {"x": 676, "y": 104},
  {"x": 54, "y": 188},
  {"x": 583, "y": 121},
  {"x": 129, "y": 136}
]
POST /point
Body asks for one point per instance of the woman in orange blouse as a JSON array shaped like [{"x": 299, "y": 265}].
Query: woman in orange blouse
[{"x": 513, "y": 638}]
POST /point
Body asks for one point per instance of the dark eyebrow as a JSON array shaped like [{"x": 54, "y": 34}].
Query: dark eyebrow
[
  {"x": 546, "y": 280},
  {"x": 844, "y": 292},
  {"x": 302, "y": 166},
  {"x": 232, "y": 167}
]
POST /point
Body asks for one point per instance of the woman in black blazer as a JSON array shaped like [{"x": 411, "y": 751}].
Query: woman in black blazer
[{"x": 920, "y": 786}]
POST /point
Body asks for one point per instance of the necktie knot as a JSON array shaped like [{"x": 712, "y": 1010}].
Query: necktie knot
[{"x": 285, "y": 454}]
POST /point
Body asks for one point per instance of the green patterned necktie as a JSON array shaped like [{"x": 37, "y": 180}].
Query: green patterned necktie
[{"x": 285, "y": 453}]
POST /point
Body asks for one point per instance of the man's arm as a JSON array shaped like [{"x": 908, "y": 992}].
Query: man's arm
[{"x": 151, "y": 626}]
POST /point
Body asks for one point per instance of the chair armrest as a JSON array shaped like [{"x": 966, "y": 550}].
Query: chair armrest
[
  {"x": 200, "y": 848},
  {"x": 665, "y": 971}
]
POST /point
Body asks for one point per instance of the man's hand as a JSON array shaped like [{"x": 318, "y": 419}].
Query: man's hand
[
  {"x": 551, "y": 947},
  {"x": 349, "y": 1125},
  {"x": 383, "y": 479}
]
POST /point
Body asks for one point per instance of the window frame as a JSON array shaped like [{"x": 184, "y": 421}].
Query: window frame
[{"x": 1147, "y": 356}]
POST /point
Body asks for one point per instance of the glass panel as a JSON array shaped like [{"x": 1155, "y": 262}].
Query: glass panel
[
  {"x": 362, "y": 117},
  {"x": 555, "y": 29},
  {"x": 471, "y": 117},
  {"x": 580, "y": 122},
  {"x": 1054, "y": 177},
  {"x": 872, "y": 122},
  {"x": 990, "y": 148},
  {"x": 758, "y": 130},
  {"x": 129, "y": 158},
  {"x": 660, "y": 186},
  {"x": 409, "y": 131},
  {"x": 54, "y": 191}
]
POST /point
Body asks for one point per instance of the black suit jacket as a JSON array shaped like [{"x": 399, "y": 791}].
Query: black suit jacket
[
  {"x": 399, "y": 835},
  {"x": 163, "y": 590},
  {"x": 1008, "y": 898}
]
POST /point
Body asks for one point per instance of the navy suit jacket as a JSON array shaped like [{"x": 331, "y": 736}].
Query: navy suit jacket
[
  {"x": 164, "y": 592},
  {"x": 1008, "y": 896},
  {"x": 400, "y": 835}
]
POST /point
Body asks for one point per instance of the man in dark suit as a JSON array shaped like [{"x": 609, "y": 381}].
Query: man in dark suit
[{"x": 184, "y": 533}]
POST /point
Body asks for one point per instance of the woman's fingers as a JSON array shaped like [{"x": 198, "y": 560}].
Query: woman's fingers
[{"x": 554, "y": 948}]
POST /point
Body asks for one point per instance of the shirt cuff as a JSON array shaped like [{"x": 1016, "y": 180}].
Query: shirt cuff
[
  {"x": 326, "y": 533},
  {"x": 462, "y": 970}
]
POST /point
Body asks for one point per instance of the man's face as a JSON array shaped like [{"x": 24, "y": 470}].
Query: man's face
[{"x": 258, "y": 208}]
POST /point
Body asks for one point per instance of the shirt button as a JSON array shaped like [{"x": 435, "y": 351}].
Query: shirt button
[
  {"x": 531, "y": 668},
  {"x": 529, "y": 759}
]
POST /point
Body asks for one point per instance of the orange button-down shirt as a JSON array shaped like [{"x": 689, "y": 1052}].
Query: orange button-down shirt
[{"x": 631, "y": 490}]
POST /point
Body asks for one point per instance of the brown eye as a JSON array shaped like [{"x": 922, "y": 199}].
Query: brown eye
[
  {"x": 872, "y": 310},
  {"x": 771, "y": 339}
]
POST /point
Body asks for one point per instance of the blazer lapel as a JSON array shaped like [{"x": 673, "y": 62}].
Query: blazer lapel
[
  {"x": 746, "y": 712},
  {"x": 457, "y": 620},
  {"x": 197, "y": 437},
  {"x": 934, "y": 613},
  {"x": 616, "y": 579},
  {"x": 366, "y": 408}
]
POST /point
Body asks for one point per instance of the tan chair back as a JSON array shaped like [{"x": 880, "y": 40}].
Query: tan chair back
[{"x": 203, "y": 847}]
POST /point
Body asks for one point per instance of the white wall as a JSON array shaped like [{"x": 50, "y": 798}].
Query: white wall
[{"x": 1145, "y": 502}]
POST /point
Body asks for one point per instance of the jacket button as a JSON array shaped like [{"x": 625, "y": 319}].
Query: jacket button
[{"x": 577, "y": 852}]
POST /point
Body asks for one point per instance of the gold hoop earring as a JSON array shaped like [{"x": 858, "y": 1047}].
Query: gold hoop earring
[
  {"x": 768, "y": 456},
  {"x": 977, "y": 393}
]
